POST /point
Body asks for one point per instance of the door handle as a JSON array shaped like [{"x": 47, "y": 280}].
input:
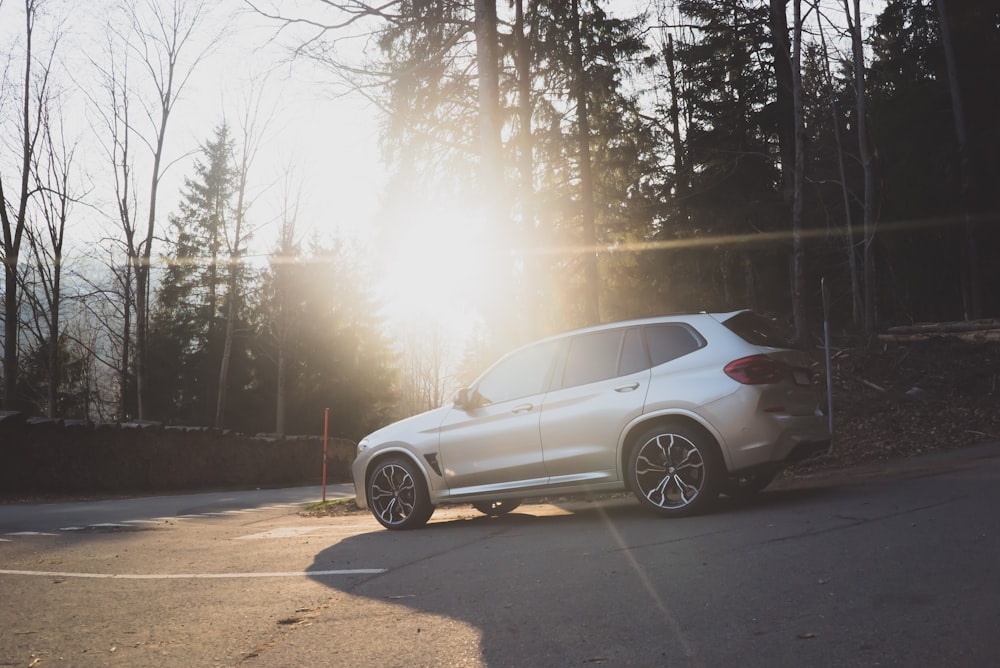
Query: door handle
[
  {"x": 627, "y": 388},
  {"x": 523, "y": 408}
]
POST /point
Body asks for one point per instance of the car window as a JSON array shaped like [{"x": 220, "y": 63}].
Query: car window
[
  {"x": 668, "y": 342},
  {"x": 592, "y": 357},
  {"x": 634, "y": 358},
  {"x": 757, "y": 330},
  {"x": 523, "y": 374}
]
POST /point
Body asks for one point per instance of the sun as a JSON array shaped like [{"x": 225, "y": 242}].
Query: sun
[{"x": 434, "y": 270}]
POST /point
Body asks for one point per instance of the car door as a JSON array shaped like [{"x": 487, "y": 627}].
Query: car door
[
  {"x": 493, "y": 442},
  {"x": 600, "y": 388}
]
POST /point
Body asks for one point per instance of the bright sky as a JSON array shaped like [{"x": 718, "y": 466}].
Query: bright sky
[{"x": 330, "y": 146}]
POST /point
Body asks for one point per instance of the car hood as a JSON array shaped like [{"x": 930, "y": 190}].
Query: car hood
[{"x": 407, "y": 430}]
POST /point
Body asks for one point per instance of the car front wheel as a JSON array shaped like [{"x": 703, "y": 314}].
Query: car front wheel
[
  {"x": 674, "y": 470},
  {"x": 397, "y": 495}
]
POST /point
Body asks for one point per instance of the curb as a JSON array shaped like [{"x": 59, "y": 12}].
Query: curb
[{"x": 932, "y": 462}]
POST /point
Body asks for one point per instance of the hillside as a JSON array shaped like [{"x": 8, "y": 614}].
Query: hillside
[{"x": 900, "y": 399}]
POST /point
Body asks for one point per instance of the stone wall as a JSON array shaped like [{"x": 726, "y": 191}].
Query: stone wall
[{"x": 67, "y": 457}]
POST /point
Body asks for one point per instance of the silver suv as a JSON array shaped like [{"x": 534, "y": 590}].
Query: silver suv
[{"x": 677, "y": 409}]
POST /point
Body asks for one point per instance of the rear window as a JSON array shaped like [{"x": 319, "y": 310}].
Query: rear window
[
  {"x": 757, "y": 330},
  {"x": 668, "y": 342}
]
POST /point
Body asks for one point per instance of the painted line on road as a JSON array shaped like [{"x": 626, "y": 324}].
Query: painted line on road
[
  {"x": 297, "y": 532},
  {"x": 29, "y": 533},
  {"x": 193, "y": 576}
]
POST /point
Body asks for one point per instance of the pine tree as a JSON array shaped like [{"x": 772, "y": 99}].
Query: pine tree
[
  {"x": 186, "y": 335},
  {"x": 731, "y": 145}
]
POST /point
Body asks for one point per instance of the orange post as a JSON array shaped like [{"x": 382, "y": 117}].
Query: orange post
[{"x": 326, "y": 434}]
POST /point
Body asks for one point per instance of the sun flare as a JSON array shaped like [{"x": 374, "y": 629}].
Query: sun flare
[{"x": 434, "y": 270}]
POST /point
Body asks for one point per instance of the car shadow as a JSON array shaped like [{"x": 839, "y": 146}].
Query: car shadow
[{"x": 532, "y": 587}]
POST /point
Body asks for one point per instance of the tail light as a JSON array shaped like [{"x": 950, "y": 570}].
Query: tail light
[{"x": 757, "y": 370}]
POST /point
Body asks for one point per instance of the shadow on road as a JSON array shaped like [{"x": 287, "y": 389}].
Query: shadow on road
[{"x": 535, "y": 586}]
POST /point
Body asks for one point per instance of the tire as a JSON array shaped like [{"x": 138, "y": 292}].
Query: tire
[
  {"x": 745, "y": 487},
  {"x": 497, "y": 508},
  {"x": 397, "y": 494},
  {"x": 675, "y": 470}
]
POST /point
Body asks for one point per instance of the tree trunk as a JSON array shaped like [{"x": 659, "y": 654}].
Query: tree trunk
[
  {"x": 591, "y": 279},
  {"x": 497, "y": 264},
  {"x": 533, "y": 261},
  {"x": 867, "y": 164},
  {"x": 970, "y": 265},
  {"x": 784, "y": 95},
  {"x": 13, "y": 230},
  {"x": 799, "y": 312},
  {"x": 487, "y": 61},
  {"x": 682, "y": 179},
  {"x": 852, "y": 256}
]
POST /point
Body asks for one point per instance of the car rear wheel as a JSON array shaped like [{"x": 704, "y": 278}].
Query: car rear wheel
[
  {"x": 397, "y": 495},
  {"x": 675, "y": 470},
  {"x": 497, "y": 508}
]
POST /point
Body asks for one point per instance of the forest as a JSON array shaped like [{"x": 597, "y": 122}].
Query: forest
[{"x": 611, "y": 159}]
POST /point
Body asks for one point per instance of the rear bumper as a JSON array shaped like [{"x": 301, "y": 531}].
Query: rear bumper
[{"x": 771, "y": 439}]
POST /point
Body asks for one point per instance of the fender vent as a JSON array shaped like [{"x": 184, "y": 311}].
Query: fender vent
[{"x": 432, "y": 459}]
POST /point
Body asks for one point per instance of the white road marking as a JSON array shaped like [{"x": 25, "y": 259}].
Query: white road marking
[
  {"x": 295, "y": 532},
  {"x": 157, "y": 520},
  {"x": 193, "y": 576}
]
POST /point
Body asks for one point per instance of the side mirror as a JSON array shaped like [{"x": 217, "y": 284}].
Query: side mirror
[{"x": 462, "y": 399}]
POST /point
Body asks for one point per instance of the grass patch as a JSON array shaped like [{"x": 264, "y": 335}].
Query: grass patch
[{"x": 331, "y": 507}]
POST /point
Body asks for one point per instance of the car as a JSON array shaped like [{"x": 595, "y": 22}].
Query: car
[{"x": 677, "y": 409}]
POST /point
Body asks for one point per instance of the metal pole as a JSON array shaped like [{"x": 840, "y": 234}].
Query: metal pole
[
  {"x": 326, "y": 434},
  {"x": 829, "y": 369}
]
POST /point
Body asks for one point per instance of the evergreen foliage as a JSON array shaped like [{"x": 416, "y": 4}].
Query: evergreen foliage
[
  {"x": 689, "y": 150},
  {"x": 340, "y": 357}
]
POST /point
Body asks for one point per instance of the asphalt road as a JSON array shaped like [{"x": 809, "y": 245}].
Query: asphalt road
[{"x": 892, "y": 567}]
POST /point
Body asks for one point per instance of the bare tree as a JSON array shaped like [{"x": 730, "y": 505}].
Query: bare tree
[
  {"x": 51, "y": 171},
  {"x": 114, "y": 110},
  {"x": 252, "y": 127},
  {"x": 159, "y": 36},
  {"x": 17, "y": 189},
  {"x": 424, "y": 374}
]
